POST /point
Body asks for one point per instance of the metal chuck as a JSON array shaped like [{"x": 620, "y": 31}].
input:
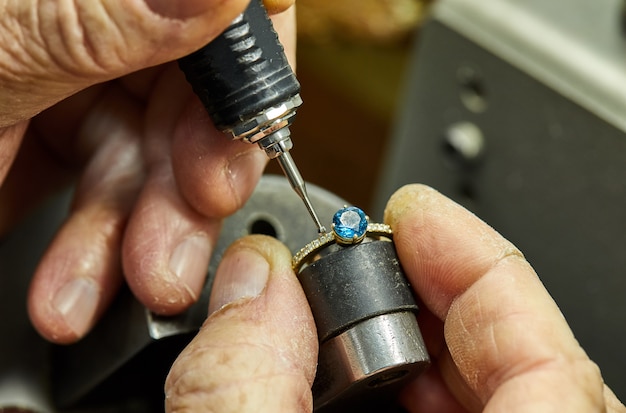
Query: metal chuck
[{"x": 365, "y": 312}]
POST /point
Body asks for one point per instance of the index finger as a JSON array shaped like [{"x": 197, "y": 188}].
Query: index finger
[{"x": 504, "y": 333}]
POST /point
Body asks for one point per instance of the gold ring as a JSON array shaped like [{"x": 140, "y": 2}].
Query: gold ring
[{"x": 350, "y": 226}]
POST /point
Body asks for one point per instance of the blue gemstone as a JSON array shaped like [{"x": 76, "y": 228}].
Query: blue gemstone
[{"x": 350, "y": 222}]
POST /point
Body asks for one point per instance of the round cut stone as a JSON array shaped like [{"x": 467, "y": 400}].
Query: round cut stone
[{"x": 350, "y": 223}]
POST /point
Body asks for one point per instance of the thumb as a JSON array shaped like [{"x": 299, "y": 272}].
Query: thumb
[
  {"x": 52, "y": 49},
  {"x": 258, "y": 351}
]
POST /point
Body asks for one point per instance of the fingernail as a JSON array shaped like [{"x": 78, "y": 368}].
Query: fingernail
[
  {"x": 245, "y": 169},
  {"x": 241, "y": 274},
  {"x": 179, "y": 9},
  {"x": 189, "y": 262},
  {"x": 77, "y": 301}
]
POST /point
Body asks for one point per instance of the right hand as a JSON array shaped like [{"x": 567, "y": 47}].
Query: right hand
[{"x": 497, "y": 340}]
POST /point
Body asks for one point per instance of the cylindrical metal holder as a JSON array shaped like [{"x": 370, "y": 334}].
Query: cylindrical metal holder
[{"x": 370, "y": 343}]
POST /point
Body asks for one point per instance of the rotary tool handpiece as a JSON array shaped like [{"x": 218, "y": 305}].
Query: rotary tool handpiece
[{"x": 247, "y": 86}]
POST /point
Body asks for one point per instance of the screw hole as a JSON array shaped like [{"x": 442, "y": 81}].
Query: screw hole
[
  {"x": 473, "y": 90},
  {"x": 263, "y": 227},
  {"x": 467, "y": 190}
]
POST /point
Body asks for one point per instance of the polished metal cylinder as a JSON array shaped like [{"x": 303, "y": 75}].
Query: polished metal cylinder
[{"x": 365, "y": 312}]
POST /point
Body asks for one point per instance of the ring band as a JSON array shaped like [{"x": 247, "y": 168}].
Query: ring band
[{"x": 327, "y": 238}]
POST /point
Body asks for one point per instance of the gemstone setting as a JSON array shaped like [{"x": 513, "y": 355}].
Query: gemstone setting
[
  {"x": 308, "y": 252},
  {"x": 350, "y": 225}
]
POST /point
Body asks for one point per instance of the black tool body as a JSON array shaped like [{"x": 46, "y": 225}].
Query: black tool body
[{"x": 242, "y": 72}]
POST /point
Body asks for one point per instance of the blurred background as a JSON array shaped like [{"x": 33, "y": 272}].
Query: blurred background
[{"x": 352, "y": 61}]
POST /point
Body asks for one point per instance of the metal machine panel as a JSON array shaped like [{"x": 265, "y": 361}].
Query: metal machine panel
[{"x": 521, "y": 117}]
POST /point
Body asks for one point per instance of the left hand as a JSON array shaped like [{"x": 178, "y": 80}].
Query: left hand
[{"x": 87, "y": 91}]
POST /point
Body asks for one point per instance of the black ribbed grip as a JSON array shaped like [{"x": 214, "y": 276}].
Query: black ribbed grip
[{"x": 243, "y": 71}]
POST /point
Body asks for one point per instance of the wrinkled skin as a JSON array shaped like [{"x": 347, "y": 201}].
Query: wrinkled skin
[
  {"x": 88, "y": 94},
  {"x": 497, "y": 340}
]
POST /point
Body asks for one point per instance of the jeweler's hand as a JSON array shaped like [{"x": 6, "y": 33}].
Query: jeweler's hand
[
  {"x": 497, "y": 340},
  {"x": 257, "y": 351},
  {"x": 86, "y": 91}
]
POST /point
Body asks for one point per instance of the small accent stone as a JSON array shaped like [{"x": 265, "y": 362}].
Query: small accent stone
[
  {"x": 350, "y": 223},
  {"x": 303, "y": 255}
]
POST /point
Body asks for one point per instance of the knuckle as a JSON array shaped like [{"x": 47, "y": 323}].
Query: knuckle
[
  {"x": 54, "y": 41},
  {"x": 235, "y": 378},
  {"x": 75, "y": 41},
  {"x": 591, "y": 379}
]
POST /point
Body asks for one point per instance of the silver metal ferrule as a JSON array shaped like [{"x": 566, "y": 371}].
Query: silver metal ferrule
[{"x": 270, "y": 128}]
